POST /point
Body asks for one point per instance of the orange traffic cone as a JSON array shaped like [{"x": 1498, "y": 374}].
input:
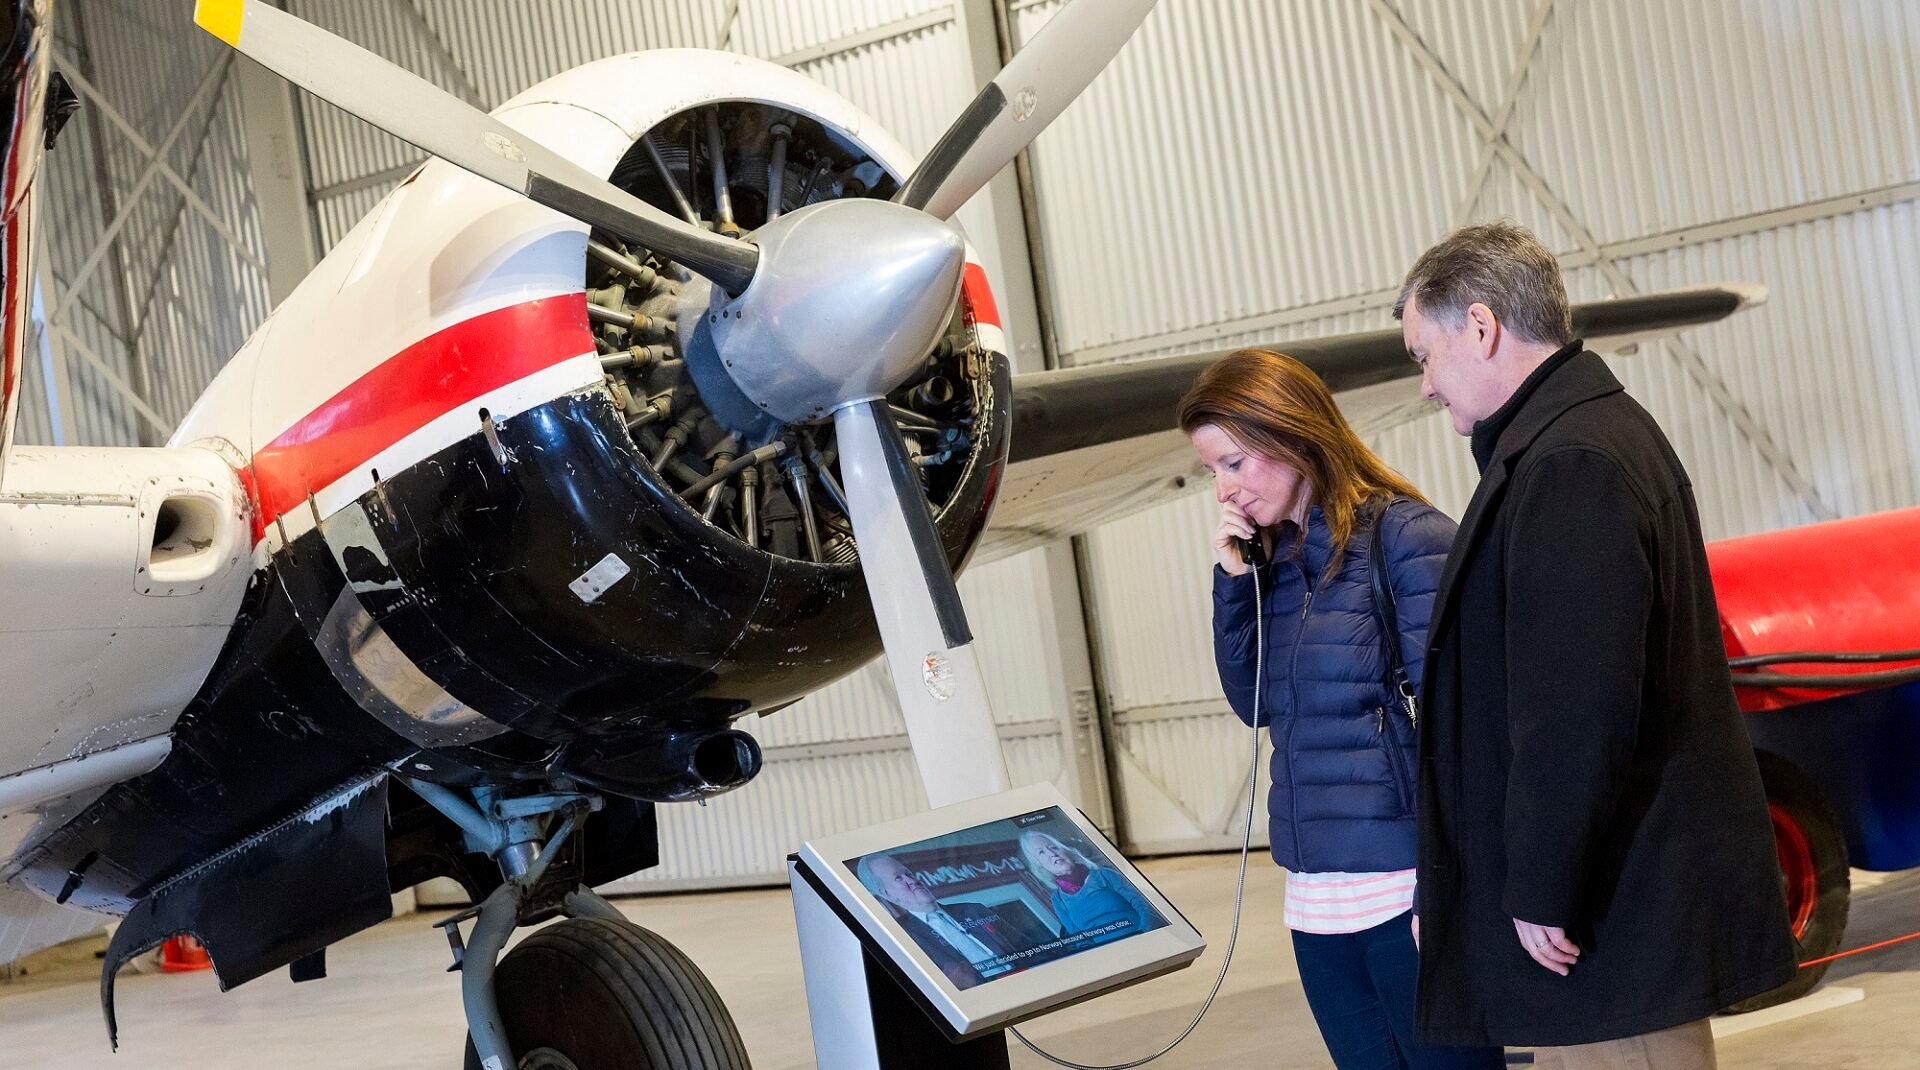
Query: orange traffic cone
[{"x": 182, "y": 954}]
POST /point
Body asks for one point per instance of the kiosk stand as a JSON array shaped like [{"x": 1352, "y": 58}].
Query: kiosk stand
[
  {"x": 924, "y": 938},
  {"x": 864, "y": 1019}
]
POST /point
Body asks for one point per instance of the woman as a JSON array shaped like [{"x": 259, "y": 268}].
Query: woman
[
  {"x": 1087, "y": 898},
  {"x": 1296, "y": 483}
]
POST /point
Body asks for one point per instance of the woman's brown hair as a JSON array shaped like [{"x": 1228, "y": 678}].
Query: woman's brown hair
[{"x": 1272, "y": 405}]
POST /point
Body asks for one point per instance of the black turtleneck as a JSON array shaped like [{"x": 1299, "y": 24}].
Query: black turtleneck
[{"x": 1486, "y": 433}]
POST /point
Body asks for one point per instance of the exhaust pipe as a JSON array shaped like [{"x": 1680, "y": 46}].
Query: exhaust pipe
[
  {"x": 724, "y": 761},
  {"x": 680, "y": 767}
]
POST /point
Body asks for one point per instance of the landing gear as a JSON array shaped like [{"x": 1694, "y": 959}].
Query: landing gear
[
  {"x": 588, "y": 993},
  {"x": 592, "y": 992},
  {"x": 1813, "y": 867}
]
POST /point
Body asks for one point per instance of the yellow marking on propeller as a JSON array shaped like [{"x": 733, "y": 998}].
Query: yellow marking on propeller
[{"x": 221, "y": 18}]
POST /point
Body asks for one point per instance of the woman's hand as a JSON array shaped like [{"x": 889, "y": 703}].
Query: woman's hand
[{"x": 1234, "y": 524}]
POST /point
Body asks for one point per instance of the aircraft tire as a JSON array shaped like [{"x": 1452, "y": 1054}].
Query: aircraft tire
[
  {"x": 595, "y": 994},
  {"x": 1813, "y": 863}
]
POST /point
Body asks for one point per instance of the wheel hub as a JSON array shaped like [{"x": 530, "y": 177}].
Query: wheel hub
[{"x": 1802, "y": 882}]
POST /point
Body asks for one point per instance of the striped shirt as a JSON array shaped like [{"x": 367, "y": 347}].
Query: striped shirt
[{"x": 1329, "y": 903}]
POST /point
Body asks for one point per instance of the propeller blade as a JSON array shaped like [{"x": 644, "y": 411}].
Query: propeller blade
[
  {"x": 1028, "y": 93},
  {"x": 942, "y": 692},
  {"x": 416, "y": 111}
]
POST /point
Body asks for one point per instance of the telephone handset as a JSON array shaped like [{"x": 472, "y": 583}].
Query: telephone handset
[{"x": 1252, "y": 551}]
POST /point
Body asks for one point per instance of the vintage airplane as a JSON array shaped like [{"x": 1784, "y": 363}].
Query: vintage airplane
[{"x": 633, "y": 412}]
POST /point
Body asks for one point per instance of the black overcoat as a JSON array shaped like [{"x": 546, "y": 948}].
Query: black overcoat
[{"x": 1583, "y": 762}]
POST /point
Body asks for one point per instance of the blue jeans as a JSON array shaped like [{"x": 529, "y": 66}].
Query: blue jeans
[{"x": 1360, "y": 986}]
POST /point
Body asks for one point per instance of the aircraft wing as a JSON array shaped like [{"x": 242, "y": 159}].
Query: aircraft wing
[{"x": 1097, "y": 443}]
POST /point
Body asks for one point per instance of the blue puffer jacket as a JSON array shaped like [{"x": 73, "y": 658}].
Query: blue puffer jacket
[{"x": 1344, "y": 754}]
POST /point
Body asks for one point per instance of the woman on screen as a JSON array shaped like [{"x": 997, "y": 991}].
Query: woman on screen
[{"x": 1087, "y": 897}]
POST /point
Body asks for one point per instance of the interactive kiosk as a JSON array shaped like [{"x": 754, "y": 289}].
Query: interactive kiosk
[{"x": 924, "y": 938}]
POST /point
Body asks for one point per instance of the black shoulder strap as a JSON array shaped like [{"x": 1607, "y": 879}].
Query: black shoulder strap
[{"x": 1384, "y": 609}]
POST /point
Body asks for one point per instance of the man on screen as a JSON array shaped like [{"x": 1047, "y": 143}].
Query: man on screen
[{"x": 964, "y": 939}]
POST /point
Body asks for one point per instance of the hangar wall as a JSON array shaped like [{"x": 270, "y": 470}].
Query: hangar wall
[{"x": 1253, "y": 173}]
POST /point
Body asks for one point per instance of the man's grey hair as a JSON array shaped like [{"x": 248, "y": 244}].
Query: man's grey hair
[
  {"x": 864, "y": 870},
  {"x": 1500, "y": 265}
]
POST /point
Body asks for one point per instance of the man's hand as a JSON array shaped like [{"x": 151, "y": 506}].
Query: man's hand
[
  {"x": 1548, "y": 945},
  {"x": 1416, "y": 932}
]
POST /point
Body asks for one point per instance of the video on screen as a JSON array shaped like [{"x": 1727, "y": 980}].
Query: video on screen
[{"x": 995, "y": 899}]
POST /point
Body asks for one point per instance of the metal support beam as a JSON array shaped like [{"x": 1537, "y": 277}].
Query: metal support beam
[
  {"x": 98, "y": 102},
  {"x": 121, "y": 284},
  {"x": 442, "y": 56},
  {"x": 156, "y": 164},
  {"x": 57, "y": 375},
  {"x": 840, "y": 748},
  {"x": 1370, "y": 300},
  {"x": 1516, "y": 78},
  {"x": 153, "y": 420},
  {"x": 277, "y": 162},
  {"x": 143, "y": 309},
  {"x": 727, "y": 26},
  {"x": 1012, "y": 217},
  {"x": 1752, "y": 223},
  {"x": 1689, "y": 358},
  {"x": 386, "y": 176},
  {"x": 884, "y": 32}
]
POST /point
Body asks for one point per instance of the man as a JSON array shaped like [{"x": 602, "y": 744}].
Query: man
[
  {"x": 963, "y": 939},
  {"x": 1597, "y": 871}
]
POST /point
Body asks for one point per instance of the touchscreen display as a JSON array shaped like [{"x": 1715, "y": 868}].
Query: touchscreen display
[{"x": 992, "y": 900}]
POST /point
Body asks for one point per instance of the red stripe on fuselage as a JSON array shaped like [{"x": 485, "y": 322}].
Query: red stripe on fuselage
[
  {"x": 411, "y": 389},
  {"x": 979, "y": 295},
  {"x": 13, "y": 287},
  {"x": 13, "y": 316}
]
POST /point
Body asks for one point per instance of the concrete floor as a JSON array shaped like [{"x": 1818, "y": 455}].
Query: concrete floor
[{"x": 389, "y": 1004}]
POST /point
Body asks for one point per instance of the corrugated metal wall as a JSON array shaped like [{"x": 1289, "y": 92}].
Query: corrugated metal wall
[
  {"x": 155, "y": 313},
  {"x": 1254, "y": 172}
]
